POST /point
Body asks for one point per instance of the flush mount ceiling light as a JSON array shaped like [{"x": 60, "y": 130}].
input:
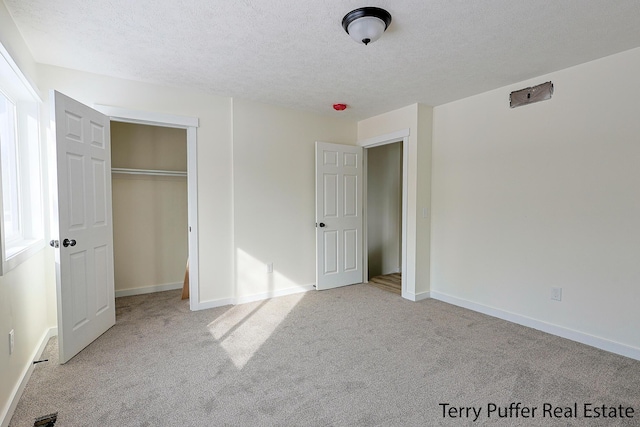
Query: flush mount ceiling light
[{"x": 366, "y": 25}]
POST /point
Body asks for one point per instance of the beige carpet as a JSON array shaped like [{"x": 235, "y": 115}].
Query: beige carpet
[{"x": 354, "y": 356}]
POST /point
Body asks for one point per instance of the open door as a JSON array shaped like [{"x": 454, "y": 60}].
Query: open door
[
  {"x": 82, "y": 204},
  {"x": 339, "y": 213}
]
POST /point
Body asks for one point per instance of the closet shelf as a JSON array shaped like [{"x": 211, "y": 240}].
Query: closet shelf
[{"x": 153, "y": 172}]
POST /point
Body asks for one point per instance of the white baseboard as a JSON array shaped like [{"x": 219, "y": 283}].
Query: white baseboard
[
  {"x": 273, "y": 294},
  {"x": 212, "y": 304},
  {"x": 422, "y": 296},
  {"x": 416, "y": 297},
  {"x": 251, "y": 298},
  {"x": 560, "y": 331},
  {"x": 148, "y": 289},
  {"x": 17, "y": 391}
]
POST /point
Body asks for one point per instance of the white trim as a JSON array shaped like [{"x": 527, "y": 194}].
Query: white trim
[
  {"x": 26, "y": 102},
  {"x": 26, "y": 81},
  {"x": 192, "y": 214},
  {"x": 17, "y": 391},
  {"x": 256, "y": 297},
  {"x": 190, "y": 124},
  {"x": 365, "y": 227},
  {"x": 415, "y": 297},
  {"x": 149, "y": 289},
  {"x": 422, "y": 296},
  {"x": 560, "y": 331},
  {"x": 272, "y": 294},
  {"x": 204, "y": 305},
  {"x": 148, "y": 117},
  {"x": 385, "y": 139},
  {"x": 21, "y": 254},
  {"x": 408, "y": 278}
]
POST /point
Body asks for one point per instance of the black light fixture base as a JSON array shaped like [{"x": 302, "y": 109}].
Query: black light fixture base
[{"x": 376, "y": 12}]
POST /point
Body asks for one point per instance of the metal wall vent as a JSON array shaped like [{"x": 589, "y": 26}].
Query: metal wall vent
[{"x": 530, "y": 95}]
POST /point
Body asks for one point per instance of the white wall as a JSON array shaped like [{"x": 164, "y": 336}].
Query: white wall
[
  {"x": 542, "y": 196},
  {"x": 384, "y": 208},
  {"x": 268, "y": 217},
  {"x": 255, "y": 180},
  {"x": 25, "y": 309},
  {"x": 148, "y": 147},
  {"x": 274, "y": 194},
  {"x": 269, "y": 158},
  {"x": 27, "y": 293},
  {"x": 214, "y": 157},
  {"x": 418, "y": 119}
]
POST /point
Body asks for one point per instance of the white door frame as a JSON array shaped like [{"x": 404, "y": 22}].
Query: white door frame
[
  {"x": 408, "y": 271},
  {"x": 190, "y": 124}
]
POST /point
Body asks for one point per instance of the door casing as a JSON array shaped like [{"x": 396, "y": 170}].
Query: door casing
[
  {"x": 408, "y": 271},
  {"x": 190, "y": 124}
]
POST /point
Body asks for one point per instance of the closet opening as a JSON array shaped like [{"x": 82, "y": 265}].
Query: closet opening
[
  {"x": 384, "y": 166},
  {"x": 150, "y": 208}
]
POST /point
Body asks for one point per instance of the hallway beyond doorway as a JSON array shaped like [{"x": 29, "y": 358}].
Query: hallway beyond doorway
[{"x": 388, "y": 282}]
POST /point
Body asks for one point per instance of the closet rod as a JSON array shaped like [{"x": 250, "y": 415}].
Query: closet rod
[{"x": 148, "y": 172}]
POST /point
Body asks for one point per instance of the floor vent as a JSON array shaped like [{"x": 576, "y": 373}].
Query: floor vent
[{"x": 46, "y": 420}]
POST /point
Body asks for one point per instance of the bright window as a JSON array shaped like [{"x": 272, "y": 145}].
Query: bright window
[
  {"x": 21, "y": 225},
  {"x": 10, "y": 189}
]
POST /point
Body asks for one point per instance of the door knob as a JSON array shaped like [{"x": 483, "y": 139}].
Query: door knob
[
  {"x": 54, "y": 244},
  {"x": 322, "y": 224},
  {"x": 67, "y": 242}
]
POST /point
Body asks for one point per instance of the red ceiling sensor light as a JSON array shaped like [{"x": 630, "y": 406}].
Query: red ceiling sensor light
[{"x": 339, "y": 107}]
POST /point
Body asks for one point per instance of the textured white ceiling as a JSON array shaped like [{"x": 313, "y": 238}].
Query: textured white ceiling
[{"x": 295, "y": 53}]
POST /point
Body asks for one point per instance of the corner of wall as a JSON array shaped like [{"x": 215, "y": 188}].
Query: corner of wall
[
  {"x": 544, "y": 196},
  {"x": 423, "y": 202}
]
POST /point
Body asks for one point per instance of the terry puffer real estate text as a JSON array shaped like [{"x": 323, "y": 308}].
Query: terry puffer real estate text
[{"x": 546, "y": 410}]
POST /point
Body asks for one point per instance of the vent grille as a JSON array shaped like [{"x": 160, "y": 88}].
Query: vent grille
[
  {"x": 529, "y": 95},
  {"x": 46, "y": 420}
]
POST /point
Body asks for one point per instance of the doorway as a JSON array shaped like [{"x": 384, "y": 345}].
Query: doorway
[
  {"x": 384, "y": 216},
  {"x": 190, "y": 125},
  {"x": 408, "y": 250},
  {"x": 149, "y": 200}
]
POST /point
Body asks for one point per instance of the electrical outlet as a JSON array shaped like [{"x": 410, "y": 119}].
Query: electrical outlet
[
  {"x": 556, "y": 294},
  {"x": 11, "y": 341},
  {"x": 269, "y": 267}
]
